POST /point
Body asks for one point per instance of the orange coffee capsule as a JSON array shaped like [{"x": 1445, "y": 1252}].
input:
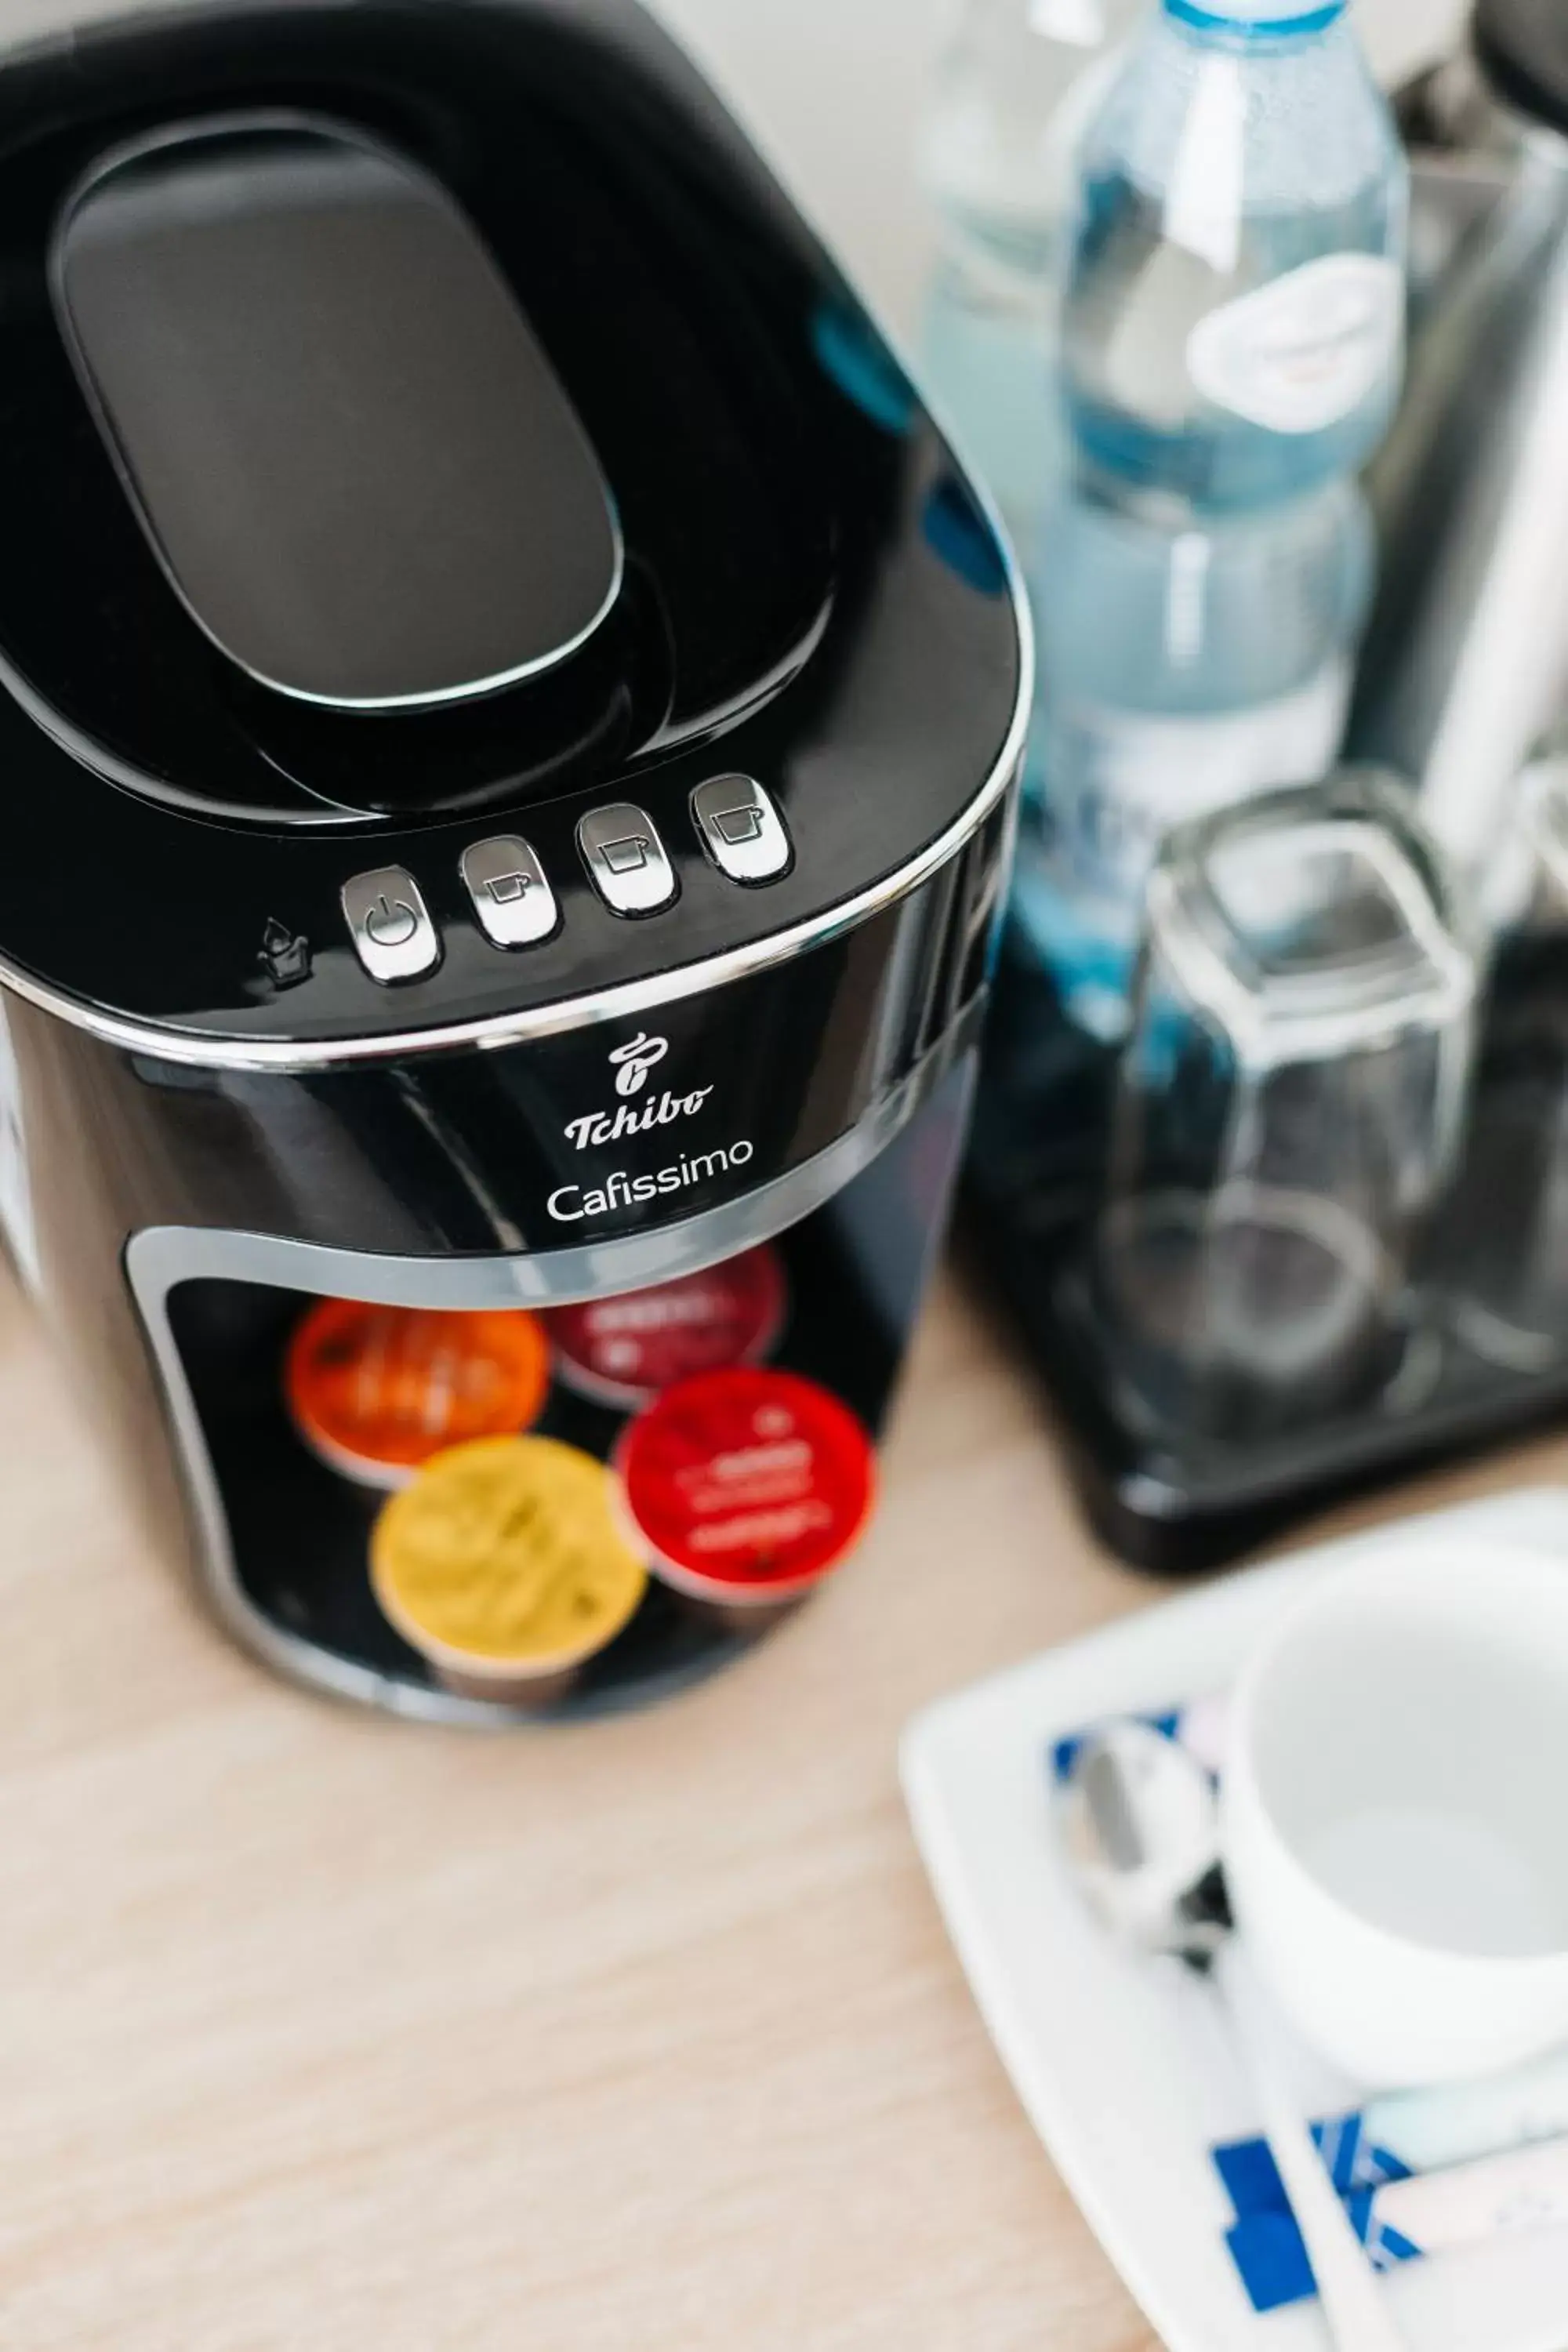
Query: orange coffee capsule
[{"x": 378, "y": 1390}]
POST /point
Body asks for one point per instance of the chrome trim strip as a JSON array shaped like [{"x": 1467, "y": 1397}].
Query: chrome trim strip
[
  {"x": 630, "y": 1000},
  {"x": 162, "y": 1257}
]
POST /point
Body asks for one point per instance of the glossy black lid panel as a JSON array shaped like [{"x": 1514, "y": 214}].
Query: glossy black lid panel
[{"x": 351, "y": 456}]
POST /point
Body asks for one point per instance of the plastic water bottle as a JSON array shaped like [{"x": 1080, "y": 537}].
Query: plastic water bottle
[
  {"x": 1235, "y": 317},
  {"x": 1184, "y": 663},
  {"x": 1232, "y": 352},
  {"x": 1014, "y": 89}
]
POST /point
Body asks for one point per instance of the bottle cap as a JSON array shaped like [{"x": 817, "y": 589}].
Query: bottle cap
[
  {"x": 747, "y": 1486},
  {"x": 376, "y": 1391},
  {"x": 1273, "y": 18},
  {"x": 505, "y": 1559},
  {"x": 624, "y": 1352}
]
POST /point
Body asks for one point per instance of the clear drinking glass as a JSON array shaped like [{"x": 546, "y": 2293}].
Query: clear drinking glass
[
  {"x": 1506, "y": 1242},
  {"x": 1289, "y": 1113}
]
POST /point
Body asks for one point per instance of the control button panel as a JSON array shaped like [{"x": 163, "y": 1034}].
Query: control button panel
[
  {"x": 514, "y": 902},
  {"x": 626, "y": 859},
  {"x": 740, "y": 830},
  {"x": 390, "y": 925}
]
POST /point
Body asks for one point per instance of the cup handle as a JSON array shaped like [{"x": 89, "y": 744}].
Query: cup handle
[{"x": 1353, "y": 2299}]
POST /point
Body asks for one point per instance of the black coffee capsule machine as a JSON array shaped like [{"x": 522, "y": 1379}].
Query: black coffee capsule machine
[{"x": 509, "y": 720}]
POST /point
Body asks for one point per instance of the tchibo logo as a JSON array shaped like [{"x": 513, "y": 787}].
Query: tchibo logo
[{"x": 632, "y": 1063}]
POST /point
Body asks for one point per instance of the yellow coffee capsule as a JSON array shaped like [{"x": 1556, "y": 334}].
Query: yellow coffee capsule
[{"x": 503, "y": 1562}]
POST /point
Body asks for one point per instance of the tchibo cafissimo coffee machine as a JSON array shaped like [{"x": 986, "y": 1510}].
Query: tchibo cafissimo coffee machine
[{"x": 509, "y": 721}]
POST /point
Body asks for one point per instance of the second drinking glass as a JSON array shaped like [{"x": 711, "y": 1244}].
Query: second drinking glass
[{"x": 1288, "y": 1116}]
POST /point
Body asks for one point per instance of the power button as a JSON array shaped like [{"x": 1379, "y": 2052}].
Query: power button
[{"x": 390, "y": 924}]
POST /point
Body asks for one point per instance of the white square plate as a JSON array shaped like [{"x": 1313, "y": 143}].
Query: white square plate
[{"x": 1122, "y": 2061}]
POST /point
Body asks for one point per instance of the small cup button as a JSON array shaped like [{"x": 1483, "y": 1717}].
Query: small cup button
[{"x": 512, "y": 894}]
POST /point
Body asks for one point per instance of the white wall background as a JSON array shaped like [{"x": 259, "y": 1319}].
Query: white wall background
[{"x": 832, "y": 90}]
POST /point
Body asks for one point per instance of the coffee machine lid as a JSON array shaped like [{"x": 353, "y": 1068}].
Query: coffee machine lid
[
  {"x": 1522, "y": 47},
  {"x": 349, "y": 451},
  {"x": 473, "y": 568}
]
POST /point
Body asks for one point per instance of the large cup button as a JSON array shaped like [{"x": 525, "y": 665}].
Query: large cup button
[{"x": 741, "y": 829}]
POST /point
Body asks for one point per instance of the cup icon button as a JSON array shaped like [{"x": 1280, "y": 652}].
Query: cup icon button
[
  {"x": 511, "y": 896},
  {"x": 740, "y": 830},
  {"x": 626, "y": 860}
]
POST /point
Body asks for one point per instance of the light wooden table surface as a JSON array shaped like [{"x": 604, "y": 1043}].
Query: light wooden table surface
[{"x": 327, "y": 2033}]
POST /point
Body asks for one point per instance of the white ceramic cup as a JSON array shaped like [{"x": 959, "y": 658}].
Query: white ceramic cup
[{"x": 1396, "y": 1813}]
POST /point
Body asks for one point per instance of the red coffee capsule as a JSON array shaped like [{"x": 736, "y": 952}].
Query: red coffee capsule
[
  {"x": 625, "y": 1352},
  {"x": 747, "y": 1486}
]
